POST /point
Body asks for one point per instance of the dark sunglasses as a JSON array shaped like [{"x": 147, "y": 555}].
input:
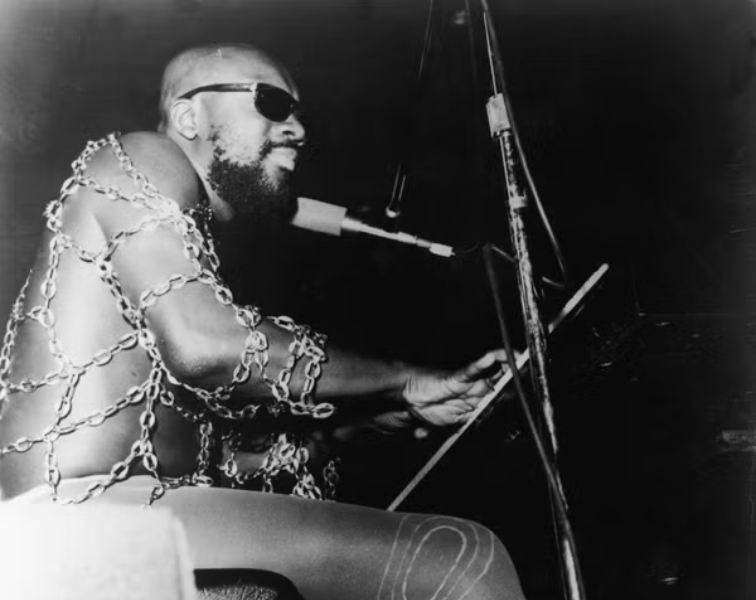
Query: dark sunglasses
[{"x": 271, "y": 102}]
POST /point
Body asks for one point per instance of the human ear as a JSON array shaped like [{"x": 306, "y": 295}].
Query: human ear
[{"x": 183, "y": 117}]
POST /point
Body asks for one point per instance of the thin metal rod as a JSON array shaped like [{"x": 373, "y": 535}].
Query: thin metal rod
[
  {"x": 517, "y": 203},
  {"x": 394, "y": 208},
  {"x": 521, "y": 362}
]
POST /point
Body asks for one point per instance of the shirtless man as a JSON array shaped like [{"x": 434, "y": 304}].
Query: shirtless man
[{"x": 127, "y": 364}]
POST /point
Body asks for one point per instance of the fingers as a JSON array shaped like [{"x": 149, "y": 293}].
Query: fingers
[
  {"x": 461, "y": 406},
  {"x": 493, "y": 379},
  {"x": 468, "y": 406},
  {"x": 492, "y": 365},
  {"x": 421, "y": 433},
  {"x": 465, "y": 417},
  {"x": 448, "y": 413},
  {"x": 473, "y": 371}
]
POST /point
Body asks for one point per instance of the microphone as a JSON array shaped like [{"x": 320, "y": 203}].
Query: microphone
[{"x": 333, "y": 220}]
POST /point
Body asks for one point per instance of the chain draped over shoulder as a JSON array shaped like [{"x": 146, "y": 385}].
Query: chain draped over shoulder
[{"x": 213, "y": 418}]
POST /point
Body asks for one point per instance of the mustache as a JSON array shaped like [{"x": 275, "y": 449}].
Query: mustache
[{"x": 269, "y": 146}]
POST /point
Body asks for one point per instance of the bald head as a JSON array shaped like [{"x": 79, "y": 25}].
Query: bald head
[
  {"x": 244, "y": 157},
  {"x": 215, "y": 63}
]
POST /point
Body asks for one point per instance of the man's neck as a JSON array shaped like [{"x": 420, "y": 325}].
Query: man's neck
[{"x": 222, "y": 210}]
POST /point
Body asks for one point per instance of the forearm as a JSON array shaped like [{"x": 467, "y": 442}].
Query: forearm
[
  {"x": 349, "y": 376},
  {"x": 240, "y": 360},
  {"x": 219, "y": 342}
]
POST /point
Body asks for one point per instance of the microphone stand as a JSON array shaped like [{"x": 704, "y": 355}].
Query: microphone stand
[{"x": 507, "y": 143}]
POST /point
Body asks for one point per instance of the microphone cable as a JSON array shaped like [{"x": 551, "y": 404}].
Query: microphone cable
[{"x": 393, "y": 209}]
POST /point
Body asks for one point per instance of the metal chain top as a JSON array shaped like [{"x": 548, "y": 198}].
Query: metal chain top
[{"x": 213, "y": 418}]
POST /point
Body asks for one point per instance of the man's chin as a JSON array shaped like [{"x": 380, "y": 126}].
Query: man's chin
[
  {"x": 277, "y": 176},
  {"x": 255, "y": 192}
]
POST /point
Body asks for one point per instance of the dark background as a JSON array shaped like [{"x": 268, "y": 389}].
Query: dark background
[{"x": 637, "y": 119}]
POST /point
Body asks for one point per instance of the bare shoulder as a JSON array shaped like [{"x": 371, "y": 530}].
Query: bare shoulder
[{"x": 155, "y": 156}]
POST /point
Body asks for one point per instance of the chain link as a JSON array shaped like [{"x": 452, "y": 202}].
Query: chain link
[
  {"x": 285, "y": 455},
  {"x": 213, "y": 409},
  {"x": 9, "y": 342}
]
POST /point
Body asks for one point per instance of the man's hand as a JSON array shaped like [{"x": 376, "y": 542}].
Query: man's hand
[{"x": 449, "y": 398}]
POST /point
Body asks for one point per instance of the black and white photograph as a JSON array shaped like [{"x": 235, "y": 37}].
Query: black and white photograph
[{"x": 377, "y": 299}]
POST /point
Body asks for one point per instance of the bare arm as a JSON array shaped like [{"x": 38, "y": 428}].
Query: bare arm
[{"x": 201, "y": 339}]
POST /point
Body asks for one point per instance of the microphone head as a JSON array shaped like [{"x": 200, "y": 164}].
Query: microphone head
[{"x": 319, "y": 216}]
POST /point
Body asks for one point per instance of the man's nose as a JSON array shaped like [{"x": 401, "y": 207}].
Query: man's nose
[{"x": 292, "y": 129}]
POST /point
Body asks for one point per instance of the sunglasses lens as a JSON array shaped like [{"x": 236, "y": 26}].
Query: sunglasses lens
[{"x": 274, "y": 103}]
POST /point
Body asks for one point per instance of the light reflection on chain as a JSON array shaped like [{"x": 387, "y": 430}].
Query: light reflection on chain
[{"x": 285, "y": 455}]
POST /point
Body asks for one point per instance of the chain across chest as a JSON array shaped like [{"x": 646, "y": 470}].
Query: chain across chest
[{"x": 214, "y": 418}]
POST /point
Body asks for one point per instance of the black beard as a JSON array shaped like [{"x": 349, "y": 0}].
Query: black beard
[{"x": 249, "y": 190}]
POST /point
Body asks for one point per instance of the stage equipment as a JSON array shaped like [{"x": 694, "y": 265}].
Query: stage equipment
[
  {"x": 522, "y": 362},
  {"x": 520, "y": 197}
]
